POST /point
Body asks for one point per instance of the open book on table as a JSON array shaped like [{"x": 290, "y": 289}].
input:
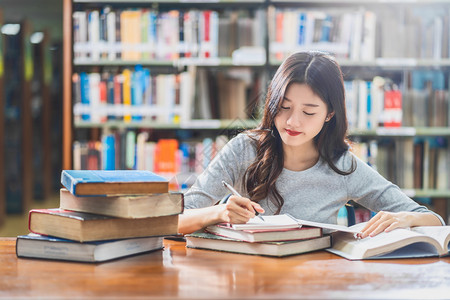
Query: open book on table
[
  {"x": 286, "y": 221},
  {"x": 423, "y": 241}
]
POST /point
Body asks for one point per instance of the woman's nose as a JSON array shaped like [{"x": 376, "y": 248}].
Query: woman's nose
[{"x": 294, "y": 120}]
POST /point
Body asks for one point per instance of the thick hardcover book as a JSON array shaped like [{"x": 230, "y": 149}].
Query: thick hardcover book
[
  {"x": 103, "y": 183},
  {"x": 209, "y": 241},
  {"x": 85, "y": 227},
  {"x": 265, "y": 235},
  {"x": 133, "y": 206},
  {"x": 39, "y": 246},
  {"x": 422, "y": 241}
]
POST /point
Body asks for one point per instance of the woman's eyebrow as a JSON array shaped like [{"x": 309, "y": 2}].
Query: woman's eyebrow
[{"x": 305, "y": 104}]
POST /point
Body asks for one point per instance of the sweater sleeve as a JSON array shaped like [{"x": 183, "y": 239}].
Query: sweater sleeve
[
  {"x": 368, "y": 188},
  {"x": 229, "y": 165}
]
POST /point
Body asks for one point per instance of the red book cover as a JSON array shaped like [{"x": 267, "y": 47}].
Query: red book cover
[
  {"x": 393, "y": 108},
  {"x": 207, "y": 16}
]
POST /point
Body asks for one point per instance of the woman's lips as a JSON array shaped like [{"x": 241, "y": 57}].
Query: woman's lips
[{"x": 292, "y": 132}]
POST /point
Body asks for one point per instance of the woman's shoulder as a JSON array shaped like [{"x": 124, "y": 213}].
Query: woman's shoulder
[
  {"x": 243, "y": 140},
  {"x": 347, "y": 160}
]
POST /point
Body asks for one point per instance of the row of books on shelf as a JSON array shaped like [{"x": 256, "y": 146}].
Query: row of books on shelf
[
  {"x": 380, "y": 102},
  {"x": 351, "y": 33},
  {"x": 103, "y": 215},
  {"x": 137, "y": 95},
  {"x": 411, "y": 163},
  {"x": 360, "y": 34},
  {"x": 346, "y": 34},
  {"x": 139, "y": 34},
  {"x": 128, "y": 150}
]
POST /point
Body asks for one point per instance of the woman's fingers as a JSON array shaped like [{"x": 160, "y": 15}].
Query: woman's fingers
[
  {"x": 241, "y": 209},
  {"x": 257, "y": 207},
  {"x": 383, "y": 221}
]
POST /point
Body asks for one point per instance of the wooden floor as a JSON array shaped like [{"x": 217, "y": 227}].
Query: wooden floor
[{"x": 17, "y": 224}]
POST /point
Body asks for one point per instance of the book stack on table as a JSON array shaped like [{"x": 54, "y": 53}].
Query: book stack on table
[
  {"x": 278, "y": 236},
  {"x": 103, "y": 215}
]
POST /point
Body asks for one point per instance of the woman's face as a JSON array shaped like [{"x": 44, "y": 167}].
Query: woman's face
[{"x": 301, "y": 116}]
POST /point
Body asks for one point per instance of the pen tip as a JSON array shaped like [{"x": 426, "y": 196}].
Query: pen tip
[{"x": 224, "y": 183}]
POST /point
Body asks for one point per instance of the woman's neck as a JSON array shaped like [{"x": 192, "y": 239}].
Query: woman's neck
[{"x": 300, "y": 158}]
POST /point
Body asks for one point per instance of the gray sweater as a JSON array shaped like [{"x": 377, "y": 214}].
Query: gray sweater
[{"x": 315, "y": 194}]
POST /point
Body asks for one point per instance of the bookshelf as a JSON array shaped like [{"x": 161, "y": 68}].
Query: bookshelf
[
  {"x": 18, "y": 71},
  {"x": 197, "y": 53},
  {"x": 405, "y": 44},
  {"x": 42, "y": 114},
  {"x": 2, "y": 130},
  {"x": 27, "y": 113}
]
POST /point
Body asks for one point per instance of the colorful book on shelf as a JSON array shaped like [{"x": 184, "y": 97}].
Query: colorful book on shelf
[
  {"x": 47, "y": 247},
  {"x": 84, "y": 227},
  {"x": 423, "y": 241},
  {"x": 209, "y": 241},
  {"x": 107, "y": 182},
  {"x": 265, "y": 235},
  {"x": 126, "y": 206}
]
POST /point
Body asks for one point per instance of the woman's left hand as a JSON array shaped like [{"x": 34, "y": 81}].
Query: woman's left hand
[{"x": 385, "y": 221}]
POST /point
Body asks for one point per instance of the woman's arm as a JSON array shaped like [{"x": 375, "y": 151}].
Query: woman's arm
[
  {"x": 388, "y": 221},
  {"x": 236, "y": 210}
]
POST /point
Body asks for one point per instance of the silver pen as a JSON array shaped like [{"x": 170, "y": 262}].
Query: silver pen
[{"x": 232, "y": 190}]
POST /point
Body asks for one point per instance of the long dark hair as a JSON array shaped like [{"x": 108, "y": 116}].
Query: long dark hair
[{"x": 324, "y": 76}]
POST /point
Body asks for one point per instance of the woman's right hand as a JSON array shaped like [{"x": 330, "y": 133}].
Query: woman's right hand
[{"x": 239, "y": 210}]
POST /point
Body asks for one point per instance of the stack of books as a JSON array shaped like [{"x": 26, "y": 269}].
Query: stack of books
[
  {"x": 279, "y": 235},
  {"x": 103, "y": 215},
  {"x": 284, "y": 235}
]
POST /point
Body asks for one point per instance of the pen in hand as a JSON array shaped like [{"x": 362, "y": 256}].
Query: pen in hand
[{"x": 232, "y": 190}]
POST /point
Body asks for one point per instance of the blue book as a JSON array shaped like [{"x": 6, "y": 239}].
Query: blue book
[
  {"x": 84, "y": 92},
  {"x": 48, "y": 247},
  {"x": 109, "y": 153},
  {"x": 107, "y": 183}
]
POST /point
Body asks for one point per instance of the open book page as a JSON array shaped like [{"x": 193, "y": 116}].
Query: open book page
[
  {"x": 270, "y": 222},
  {"x": 348, "y": 246},
  {"x": 332, "y": 227},
  {"x": 286, "y": 221},
  {"x": 439, "y": 233}
]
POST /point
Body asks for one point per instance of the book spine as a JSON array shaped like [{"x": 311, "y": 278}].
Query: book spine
[{"x": 68, "y": 182}]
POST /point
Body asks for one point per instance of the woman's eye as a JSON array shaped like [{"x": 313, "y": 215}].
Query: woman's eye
[
  {"x": 285, "y": 107},
  {"x": 309, "y": 114}
]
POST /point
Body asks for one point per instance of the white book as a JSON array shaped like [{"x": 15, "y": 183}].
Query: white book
[
  {"x": 111, "y": 34},
  {"x": 94, "y": 97},
  {"x": 423, "y": 241},
  {"x": 362, "y": 104},
  {"x": 186, "y": 95},
  {"x": 357, "y": 33},
  {"x": 94, "y": 34},
  {"x": 38, "y": 246},
  {"x": 369, "y": 36}
]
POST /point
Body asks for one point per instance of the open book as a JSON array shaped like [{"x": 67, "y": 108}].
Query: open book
[
  {"x": 423, "y": 241},
  {"x": 287, "y": 221}
]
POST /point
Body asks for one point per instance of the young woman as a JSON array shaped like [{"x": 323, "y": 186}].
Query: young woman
[{"x": 298, "y": 161}]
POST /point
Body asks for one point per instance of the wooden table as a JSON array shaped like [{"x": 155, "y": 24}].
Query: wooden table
[{"x": 178, "y": 272}]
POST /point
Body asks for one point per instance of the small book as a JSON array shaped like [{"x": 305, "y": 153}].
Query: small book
[
  {"x": 133, "y": 206},
  {"x": 422, "y": 241},
  {"x": 106, "y": 183},
  {"x": 286, "y": 221},
  {"x": 265, "y": 235},
  {"x": 39, "y": 246},
  {"x": 209, "y": 241},
  {"x": 84, "y": 227},
  {"x": 275, "y": 222}
]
